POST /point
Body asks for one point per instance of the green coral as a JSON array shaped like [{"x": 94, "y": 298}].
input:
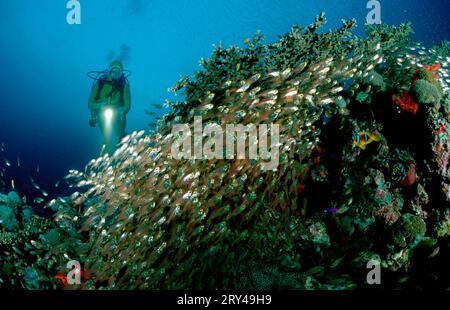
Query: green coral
[
  {"x": 443, "y": 229},
  {"x": 391, "y": 37},
  {"x": 3, "y": 199},
  {"x": 299, "y": 45},
  {"x": 397, "y": 260},
  {"x": 408, "y": 230},
  {"x": 376, "y": 80},
  {"x": 394, "y": 41},
  {"x": 399, "y": 163},
  {"x": 363, "y": 97},
  {"x": 425, "y": 92},
  {"x": 8, "y": 218},
  {"x": 27, "y": 213},
  {"x": 14, "y": 199},
  {"x": 8, "y": 211}
]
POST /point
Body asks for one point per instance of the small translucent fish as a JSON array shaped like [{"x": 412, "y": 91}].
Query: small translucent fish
[
  {"x": 326, "y": 101},
  {"x": 151, "y": 113},
  {"x": 286, "y": 73},
  {"x": 37, "y": 169},
  {"x": 291, "y": 93},
  {"x": 34, "y": 184},
  {"x": 2, "y": 147},
  {"x": 435, "y": 252},
  {"x": 38, "y": 200},
  {"x": 337, "y": 262},
  {"x": 44, "y": 193},
  {"x": 7, "y": 163},
  {"x": 207, "y": 107},
  {"x": 51, "y": 203},
  {"x": 35, "y": 243},
  {"x": 337, "y": 90},
  {"x": 156, "y": 105},
  {"x": 13, "y": 184},
  {"x": 57, "y": 184},
  {"x": 324, "y": 70},
  {"x": 243, "y": 88},
  {"x": 18, "y": 161},
  {"x": 246, "y": 40},
  {"x": 274, "y": 73}
]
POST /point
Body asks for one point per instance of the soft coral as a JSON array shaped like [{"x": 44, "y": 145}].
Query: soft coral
[{"x": 406, "y": 103}]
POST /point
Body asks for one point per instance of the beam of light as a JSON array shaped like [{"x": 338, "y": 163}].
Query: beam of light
[
  {"x": 108, "y": 117},
  {"x": 108, "y": 113}
]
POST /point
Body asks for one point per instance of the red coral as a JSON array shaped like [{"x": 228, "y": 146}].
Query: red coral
[
  {"x": 442, "y": 129},
  {"x": 410, "y": 176},
  {"x": 405, "y": 103},
  {"x": 61, "y": 279},
  {"x": 432, "y": 69},
  {"x": 300, "y": 188}
]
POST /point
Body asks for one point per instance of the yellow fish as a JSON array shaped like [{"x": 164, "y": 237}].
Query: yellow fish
[{"x": 364, "y": 138}]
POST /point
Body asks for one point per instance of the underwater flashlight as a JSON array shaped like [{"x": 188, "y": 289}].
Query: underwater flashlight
[{"x": 108, "y": 115}]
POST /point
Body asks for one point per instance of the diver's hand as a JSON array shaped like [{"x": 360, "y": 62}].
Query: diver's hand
[{"x": 102, "y": 105}]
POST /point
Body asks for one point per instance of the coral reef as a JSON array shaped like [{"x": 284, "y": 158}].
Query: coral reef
[
  {"x": 33, "y": 248},
  {"x": 363, "y": 174}
]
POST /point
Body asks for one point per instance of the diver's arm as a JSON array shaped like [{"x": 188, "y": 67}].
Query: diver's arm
[
  {"x": 93, "y": 105},
  {"x": 126, "y": 98}
]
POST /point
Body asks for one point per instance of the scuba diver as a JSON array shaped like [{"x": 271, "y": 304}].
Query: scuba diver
[{"x": 109, "y": 102}]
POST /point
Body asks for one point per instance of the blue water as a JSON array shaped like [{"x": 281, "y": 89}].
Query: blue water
[{"x": 44, "y": 61}]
